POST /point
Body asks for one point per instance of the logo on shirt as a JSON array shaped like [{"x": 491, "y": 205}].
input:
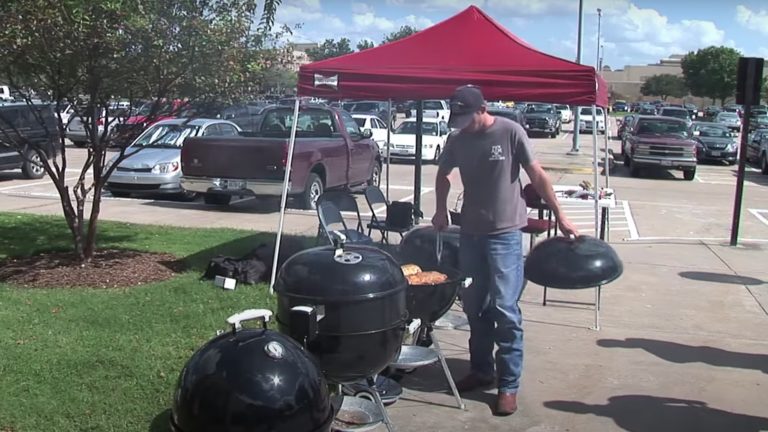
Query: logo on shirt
[{"x": 496, "y": 153}]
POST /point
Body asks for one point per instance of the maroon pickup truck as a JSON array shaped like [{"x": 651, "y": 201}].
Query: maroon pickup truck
[
  {"x": 661, "y": 143},
  {"x": 330, "y": 152}
]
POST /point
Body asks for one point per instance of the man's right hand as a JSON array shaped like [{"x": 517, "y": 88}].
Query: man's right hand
[{"x": 440, "y": 220}]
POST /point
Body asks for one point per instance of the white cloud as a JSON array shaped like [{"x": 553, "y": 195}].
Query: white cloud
[
  {"x": 372, "y": 22},
  {"x": 752, "y": 20},
  {"x": 361, "y": 8}
]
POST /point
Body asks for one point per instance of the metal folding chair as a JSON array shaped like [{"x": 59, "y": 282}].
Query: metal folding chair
[
  {"x": 375, "y": 197},
  {"x": 329, "y": 207}
]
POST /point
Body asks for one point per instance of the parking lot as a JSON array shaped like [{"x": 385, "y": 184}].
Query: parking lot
[{"x": 659, "y": 206}]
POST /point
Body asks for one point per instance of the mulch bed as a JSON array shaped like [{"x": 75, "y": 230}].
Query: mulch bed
[{"x": 107, "y": 269}]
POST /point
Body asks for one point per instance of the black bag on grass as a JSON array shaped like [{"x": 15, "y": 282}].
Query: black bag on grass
[{"x": 248, "y": 269}]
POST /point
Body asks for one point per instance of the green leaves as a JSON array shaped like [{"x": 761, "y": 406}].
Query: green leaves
[
  {"x": 329, "y": 49},
  {"x": 404, "y": 31},
  {"x": 664, "y": 85},
  {"x": 711, "y": 72}
]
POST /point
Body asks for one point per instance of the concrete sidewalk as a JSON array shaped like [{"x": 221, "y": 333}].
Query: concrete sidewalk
[{"x": 682, "y": 348}]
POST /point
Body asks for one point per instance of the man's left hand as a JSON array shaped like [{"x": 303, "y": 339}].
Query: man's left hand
[{"x": 566, "y": 227}]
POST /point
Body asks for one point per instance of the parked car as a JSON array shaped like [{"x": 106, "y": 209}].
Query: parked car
[
  {"x": 620, "y": 106},
  {"x": 155, "y": 168},
  {"x": 730, "y": 119},
  {"x": 711, "y": 111},
  {"x": 677, "y": 112},
  {"x": 756, "y": 146},
  {"x": 566, "y": 115},
  {"x": 376, "y": 126},
  {"x": 23, "y": 132},
  {"x": 435, "y": 108},
  {"x": 759, "y": 121},
  {"x": 77, "y": 132},
  {"x": 715, "y": 142},
  {"x": 585, "y": 120},
  {"x": 762, "y": 153},
  {"x": 5, "y": 94},
  {"x": 331, "y": 152},
  {"x": 542, "y": 118},
  {"x": 647, "y": 109},
  {"x": 660, "y": 143},
  {"x": 511, "y": 113},
  {"x": 692, "y": 110},
  {"x": 434, "y": 134},
  {"x": 374, "y": 108},
  {"x": 150, "y": 113}
]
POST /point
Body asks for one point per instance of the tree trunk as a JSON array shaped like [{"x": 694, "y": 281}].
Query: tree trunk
[{"x": 664, "y": 97}]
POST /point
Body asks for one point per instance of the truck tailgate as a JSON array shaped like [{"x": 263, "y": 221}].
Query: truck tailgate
[{"x": 234, "y": 157}]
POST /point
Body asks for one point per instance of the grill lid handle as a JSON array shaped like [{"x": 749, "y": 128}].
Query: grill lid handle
[{"x": 249, "y": 315}]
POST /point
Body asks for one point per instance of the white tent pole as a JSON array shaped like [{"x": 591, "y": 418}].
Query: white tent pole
[
  {"x": 595, "y": 167},
  {"x": 607, "y": 165},
  {"x": 389, "y": 131},
  {"x": 284, "y": 197}
]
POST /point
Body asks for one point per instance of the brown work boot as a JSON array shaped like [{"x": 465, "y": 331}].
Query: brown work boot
[
  {"x": 474, "y": 381},
  {"x": 506, "y": 404}
]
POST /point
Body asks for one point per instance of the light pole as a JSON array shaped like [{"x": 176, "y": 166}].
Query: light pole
[
  {"x": 599, "y": 19},
  {"x": 575, "y": 145}
]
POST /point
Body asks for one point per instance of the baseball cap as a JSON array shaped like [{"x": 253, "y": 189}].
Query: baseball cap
[{"x": 465, "y": 102}]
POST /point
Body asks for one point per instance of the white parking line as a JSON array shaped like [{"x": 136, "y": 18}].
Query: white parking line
[
  {"x": 47, "y": 182},
  {"x": 757, "y": 213},
  {"x": 633, "y": 234}
]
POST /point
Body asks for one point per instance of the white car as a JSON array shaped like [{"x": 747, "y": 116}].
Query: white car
[
  {"x": 403, "y": 140},
  {"x": 377, "y": 127},
  {"x": 585, "y": 119},
  {"x": 435, "y": 108},
  {"x": 566, "y": 115}
]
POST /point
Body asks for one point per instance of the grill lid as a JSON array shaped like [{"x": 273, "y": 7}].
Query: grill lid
[
  {"x": 583, "y": 262},
  {"x": 340, "y": 274},
  {"x": 251, "y": 379}
]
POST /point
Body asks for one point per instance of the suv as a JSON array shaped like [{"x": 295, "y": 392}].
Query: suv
[
  {"x": 542, "y": 118},
  {"x": 677, "y": 112},
  {"x": 566, "y": 115},
  {"x": 22, "y": 132},
  {"x": 660, "y": 143},
  {"x": 585, "y": 119}
]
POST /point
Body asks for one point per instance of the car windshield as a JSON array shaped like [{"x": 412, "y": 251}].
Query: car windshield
[
  {"x": 728, "y": 115},
  {"x": 675, "y": 113},
  {"x": 540, "y": 109},
  {"x": 713, "y": 131},
  {"x": 588, "y": 112},
  {"x": 561, "y": 107},
  {"x": 167, "y": 136},
  {"x": 661, "y": 127},
  {"x": 433, "y": 105},
  {"x": 409, "y": 128},
  {"x": 365, "y": 107}
]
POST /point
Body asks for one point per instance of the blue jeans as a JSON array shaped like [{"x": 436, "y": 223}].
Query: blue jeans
[{"x": 495, "y": 264}]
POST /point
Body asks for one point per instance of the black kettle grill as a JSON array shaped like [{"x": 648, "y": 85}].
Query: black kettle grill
[
  {"x": 347, "y": 305},
  {"x": 255, "y": 380},
  {"x": 583, "y": 262}
]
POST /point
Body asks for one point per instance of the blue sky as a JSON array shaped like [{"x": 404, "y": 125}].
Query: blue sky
[{"x": 633, "y": 31}]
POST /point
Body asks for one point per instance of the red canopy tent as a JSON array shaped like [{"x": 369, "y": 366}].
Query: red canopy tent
[{"x": 468, "y": 48}]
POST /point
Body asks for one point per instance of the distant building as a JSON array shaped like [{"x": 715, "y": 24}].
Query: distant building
[
  {"x": 300, "y": 56},
  {"x": 627, "y": 81}
]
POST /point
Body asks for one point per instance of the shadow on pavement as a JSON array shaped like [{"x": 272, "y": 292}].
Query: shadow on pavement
[
  {"x": 11, "y": 175},
  {"x": 754, "y": 177},
  {"x": 680, "y": 353},
  {"x": 721, "y": 278},
  {"x": 644, "y": 413},
  {"x": 246, "y": 206}
]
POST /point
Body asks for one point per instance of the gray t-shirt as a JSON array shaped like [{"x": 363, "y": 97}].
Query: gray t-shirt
[{"x": 489, "y": 162}]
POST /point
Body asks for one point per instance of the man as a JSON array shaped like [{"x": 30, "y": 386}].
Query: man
[{"x": 489, "y": 152}]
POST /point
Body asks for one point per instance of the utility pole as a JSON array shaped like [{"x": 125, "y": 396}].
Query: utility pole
[
  {"x": 575, "y": 145},
  {"x": 599, "y": 20}
]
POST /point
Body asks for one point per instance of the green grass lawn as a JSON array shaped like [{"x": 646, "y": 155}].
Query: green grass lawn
[{"x": 108, "y": 360}]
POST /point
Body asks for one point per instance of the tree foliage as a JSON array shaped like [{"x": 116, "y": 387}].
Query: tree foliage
[
  {"x": 330, "y": 48},
  {"x": 711, "y": 72},
  {"x": 664, "y": 85},
  {"x": 89, "y": 53},
  {"x": 364, "y": 45},
  {"x": 403, "y": 32}
]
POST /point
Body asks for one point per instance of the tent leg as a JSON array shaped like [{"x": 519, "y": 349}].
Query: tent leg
[
  {"x": 389, "y": 136},
  {"x": 597, "y": 174},
  {"x": 418, "y": 161},
  {"x": 284, "y": 196}
]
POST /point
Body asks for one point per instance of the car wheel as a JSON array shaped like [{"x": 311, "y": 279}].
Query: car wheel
[
  {"x": 217, "y": 199},
  {"x": 33, "y": 165},
  {"x": 436, "y": 159},
  {"x": 186, "y": 195},
  {"x": 375, "y": 179},
  {"x": 312, "y": 191},
  {"x": 764, "y": 164},
  {"x": 689, "y": 174}
]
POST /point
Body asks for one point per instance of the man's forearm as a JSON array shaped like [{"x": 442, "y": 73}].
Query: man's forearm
[{"x": 442, "y": 187}]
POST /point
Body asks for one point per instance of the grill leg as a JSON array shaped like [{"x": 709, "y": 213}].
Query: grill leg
[
  {"x": 448, "y": 376},
  {"x": 377, "y": 399},
  {"x": 544, "y": 301}
]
